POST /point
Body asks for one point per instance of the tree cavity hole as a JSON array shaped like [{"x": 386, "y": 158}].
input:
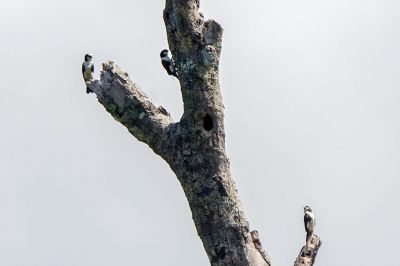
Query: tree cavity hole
[{"x": 208, "y": 122}]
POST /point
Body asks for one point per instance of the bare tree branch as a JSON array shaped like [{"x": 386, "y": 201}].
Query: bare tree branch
[
  {"x": 128, "y": 104},
  {"x": 257, "y": 243},
  {"x": 309, "y": 252}
]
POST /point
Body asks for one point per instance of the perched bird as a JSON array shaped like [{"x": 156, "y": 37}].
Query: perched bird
[
  {"x": 309, "y": 222},
  {"x": 88, "y": 70},
  {"x": 168, "y": 63}
]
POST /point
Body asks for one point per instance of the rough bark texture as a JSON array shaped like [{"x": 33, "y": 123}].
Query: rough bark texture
[
  {"x": 194, "y": 147},
  {"x": 309, "y": 252}
]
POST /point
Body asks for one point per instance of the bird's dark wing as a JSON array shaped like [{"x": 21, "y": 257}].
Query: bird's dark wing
[
  {"x": 174, "y": 70},
  {"x": 83, "y": 69},
  {"x": 92, "y": 68},
  {"x": 307, "y": 219},
  {"x": 167, "y": 65}
]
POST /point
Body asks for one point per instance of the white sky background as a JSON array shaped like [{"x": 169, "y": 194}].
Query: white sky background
[{"x": 311, "y": 90}]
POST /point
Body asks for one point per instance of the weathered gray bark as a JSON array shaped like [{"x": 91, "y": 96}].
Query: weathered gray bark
[
  {"x": 308, "y": 252},
  {"x": 194, "y": 147}
]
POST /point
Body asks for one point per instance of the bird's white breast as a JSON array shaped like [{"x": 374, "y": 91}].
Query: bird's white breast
[
  {"x": 167, "y": 59},
  {"x": 88, "y": 64},
  {"x": 311, "y": 224}
]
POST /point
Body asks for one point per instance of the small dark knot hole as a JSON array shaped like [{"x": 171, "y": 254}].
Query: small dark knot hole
[{"x": 208, "y": 123}]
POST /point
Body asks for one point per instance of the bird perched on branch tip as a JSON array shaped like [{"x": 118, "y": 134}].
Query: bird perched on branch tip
[
  {"x": 88, "y": 70},
  {"x": 309, "y": 222}
]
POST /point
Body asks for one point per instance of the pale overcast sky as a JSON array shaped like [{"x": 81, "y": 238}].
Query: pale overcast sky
[{"x": 311, "y": 90}]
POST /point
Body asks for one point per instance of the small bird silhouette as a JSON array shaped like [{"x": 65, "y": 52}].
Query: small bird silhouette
[
  {"x": 88, "y": 70},
  {"x": 168, "y": 63}
]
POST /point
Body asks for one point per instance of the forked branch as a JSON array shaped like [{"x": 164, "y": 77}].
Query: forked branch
[{"x": 194, "y": 147}]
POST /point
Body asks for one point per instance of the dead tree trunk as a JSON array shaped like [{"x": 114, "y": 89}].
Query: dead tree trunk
[{"x": 194, "y": 147}]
